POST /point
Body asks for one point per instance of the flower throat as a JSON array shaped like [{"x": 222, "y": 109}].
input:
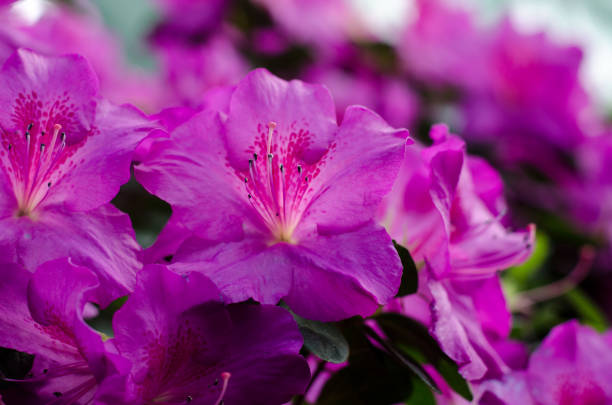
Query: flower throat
[
  {"x": 277, "y": 182},
  {"x": 33, "y": 158}
]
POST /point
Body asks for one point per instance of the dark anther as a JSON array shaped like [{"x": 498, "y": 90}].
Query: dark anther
[
  {"x": 49, "y": 184},
  {"x": 30, "y": 126},
  {"x": 216, "y": 381},
  {"x": 63, "y": 137},
  {"x": 188, "y": 398},
  {"x": 299, "y": 169},
  {"x": 250, "y": 196},
  {"x": 270, "y": 156},
  {"x": 246, "y": 180},
  {"x": 57, "y": 394},
  {"x": 10, "y": 147},
  {"x": 45, "y": 371},
  {"x": 42, "y": 147},
  {"x": 255, "y": 156},
  {"x": 306, "y": 178},
  {"x": 282, "y": 168}
]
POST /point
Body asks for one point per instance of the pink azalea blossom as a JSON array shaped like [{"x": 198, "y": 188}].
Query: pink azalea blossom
[
  {"x": 43, "y": 316},
  {"x": 573, "y": 365},
  {"x": 280, "y": 199},
  {"x": 443, "y": 46},
  {"x": 447, "y": 209},
  {"x": 65, "y": 152},
  {"x": 189, "y": 70},
  {"x": 187, "y": 346},
  {"x": 531, "y": 108}
]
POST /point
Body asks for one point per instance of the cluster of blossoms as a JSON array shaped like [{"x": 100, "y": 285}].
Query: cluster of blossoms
[{"x": 315, "y": 251}]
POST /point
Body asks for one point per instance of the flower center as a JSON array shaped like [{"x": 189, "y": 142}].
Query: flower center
[
  {"x": 277, "y": 183},
  {"x": 32, "y": 159}
]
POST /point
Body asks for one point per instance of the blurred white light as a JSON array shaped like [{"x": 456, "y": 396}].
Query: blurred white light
[
  {"x": 386, "y": 18},
  {"x": 30, "y": 10}
]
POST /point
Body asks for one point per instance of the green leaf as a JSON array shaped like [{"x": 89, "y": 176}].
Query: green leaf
[
  {"x": 450, "y": 372},
  {"x": 410, "y": 275},
  {"x": 324, "y": 340},
  {"x": 384, "y": 383},
  {"x": 405, "y": 359},
  {"x": 103, "y": 323},
  {"x": 413, "y": 339},
  {"x": 421, "y": 394},
  {"x": 589, "y": 313}
]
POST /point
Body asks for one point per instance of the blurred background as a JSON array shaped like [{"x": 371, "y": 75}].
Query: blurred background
[{"x": 528, "y": 85}]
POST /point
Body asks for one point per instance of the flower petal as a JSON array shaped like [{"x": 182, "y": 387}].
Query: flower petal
[
  {"x": 189, "y": 171},
  {"x": 294, "y": 106},
  {"x": 102, "y": 240},
  {"x": 62, "y": 86},
  {"x": 339, "y": 276},
  {"x": 265, "y": 368},
  {"x": 241, "y": 270},
  {"x": 357, "y": 173},
  {"x": 97, "y": 168}
]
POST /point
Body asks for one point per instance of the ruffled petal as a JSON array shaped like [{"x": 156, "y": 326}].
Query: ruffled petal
[
  {"x": 102, "y": 240},
  {"x": 339, "y": 276},
  {"x": 358, "y": 171}
]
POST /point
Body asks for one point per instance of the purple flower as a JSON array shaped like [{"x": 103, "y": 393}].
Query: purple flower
[
  {"x": 42, "y": 315},
  {"x": 589, "y": 193},
  {"x": 190, "y": 70},
  {"x": 63, "y": 157},
  {"x": 573, "y": 365},
  {"x": 280, "y": 200},
  {"x": 532, "y": 108},
  {"x": 185, "y": 345},
  {"x": 447, "y": 208},
  {"x": 442, "y": 46}
]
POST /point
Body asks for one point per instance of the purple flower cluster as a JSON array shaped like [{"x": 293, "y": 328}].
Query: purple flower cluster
[{"x": 312, "y": 251}]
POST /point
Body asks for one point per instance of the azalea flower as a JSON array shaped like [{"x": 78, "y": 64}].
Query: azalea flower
[
  {"x": 572, "y": 365},
  {"x": 280, "y": 199},
  {"x": 447, "y": 208},
  {"x": 64, "y": 154},
  {"x": 190, "y": 69},
  {"x": 442, "y": 46},
  {"x": 532, "y": 108},
  {"x": 186, "y": 346},
  {"x": 43, "y": 316}
]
